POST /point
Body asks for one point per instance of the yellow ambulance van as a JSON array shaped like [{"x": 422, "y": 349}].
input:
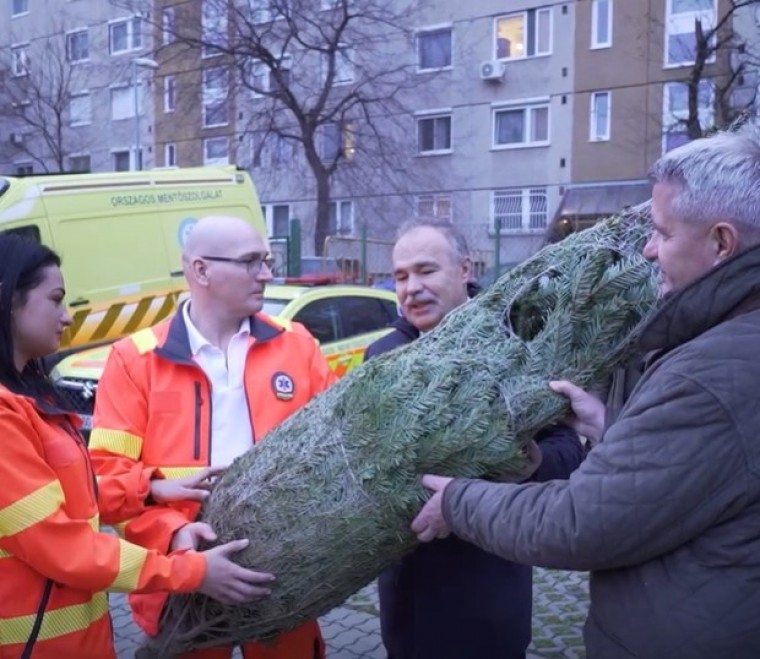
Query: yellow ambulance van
[{"x": 120, "y": 235}]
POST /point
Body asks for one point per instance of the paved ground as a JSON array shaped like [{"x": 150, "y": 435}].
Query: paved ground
[{"x": 352, "y": 631}]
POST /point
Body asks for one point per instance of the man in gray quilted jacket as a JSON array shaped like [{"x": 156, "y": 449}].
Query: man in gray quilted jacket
[{"x": 665, "y": 511}]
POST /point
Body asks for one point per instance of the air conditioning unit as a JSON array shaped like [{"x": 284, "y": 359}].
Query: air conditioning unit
[
  {"x": 492, "y": 70},
  {"x": 17, "y": 139}
]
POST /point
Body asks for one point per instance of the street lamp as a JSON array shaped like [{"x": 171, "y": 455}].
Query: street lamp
[{"x": 144, "y": 63}]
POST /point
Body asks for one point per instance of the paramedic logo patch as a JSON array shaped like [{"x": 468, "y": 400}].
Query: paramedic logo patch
[{"x": 283, "y": 386}]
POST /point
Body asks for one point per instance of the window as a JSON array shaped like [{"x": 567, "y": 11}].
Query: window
[
  {"x": 169, "y": 94},
  {"x": 361, "y": 315},
  {"x": 521, "y": 126},
  {"x": 338, "y": 140},
  {"x": 170, "y": 155},
  {"x": 277, "y": 217},
  {"x": 263, "y": 11},
  {"x": 122, "y": 161},
  {"x": 434, "y": 134},
  {"x": 601, "y": 23},
  {"x": 168, "y": 26},
  {"x": 341, "y": 218},
  {"x": 322, "y": 319},
  {"x": 601, "y": 111},
  {"x": 528, "y": 34},
  {"x": 19, "y": 7},
  {"x": 434, "y": 206},
  {"x": 80, "y": 164},
  {"x": 124, "y": 35},
  {"x": 23, "y": 169},
  {"x": 434, "y": 49},
  {"x": 80, "y": 109},
  {"x": 77, "y": 46},
  {"x": 216, "y": 151},
  {"x": 282, "y": 151},
  {"x": 213, "y": 27},
  {"x": 123, "y": 102},
  {"x": 215, "y": 110},
  {"x": 680, "y": 33},
  {"x": 30, "y": 230},
  {"x": 519, "y": 209},
  {"x": 20, "y": 60},
  {"x": 676, "y": 112},
  {"x": 343, "y": 67}
]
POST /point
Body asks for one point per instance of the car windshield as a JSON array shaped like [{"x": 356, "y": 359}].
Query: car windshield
[{"x": 273, "y": 306}]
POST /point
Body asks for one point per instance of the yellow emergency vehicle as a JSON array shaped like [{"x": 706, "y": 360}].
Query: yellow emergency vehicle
[
  {"x": 344, "y": 319},
  {"x": 120, "y": 235}
]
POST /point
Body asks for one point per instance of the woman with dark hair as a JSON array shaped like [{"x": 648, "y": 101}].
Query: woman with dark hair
[{"x": 54, "y": 564}]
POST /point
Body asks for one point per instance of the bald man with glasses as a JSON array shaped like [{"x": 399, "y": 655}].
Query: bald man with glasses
[{"x": 179, "y": 401}]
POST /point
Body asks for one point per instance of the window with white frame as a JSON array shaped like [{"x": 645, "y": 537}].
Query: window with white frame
[
  {"x": 277, "y": 219},
  {"x": 170, "y": 90},
  {"x": 168, "y": 26},
  {"x": 20, "y": 59},
  {"x": 519, "y": 209},
  {"x": 122, "y": 161},
  {"x": 125, "y": 35},
  {"x": 434, "y": 49},
  {"x": 216, "y": 151},
  {"x": 256, "y": 77},
  {"x": 281, "y": 150},
  {"x": 23, "y": 169},
  {"x": 213, "y": 27},
  {"x": 434, "y": 133},
  {"x": 78, "y": 46},
  {"x": 601, "y": 114},
  {"x": 123, "y": 102},
  {"x": 601, "y": 23},
  {"x": 263, "y": 11},
  {"x": 680, "y": 29},
  {"x": 80, "y": 163},
  {"x": 343, "y": 66},
  {"x": 527, "y": 34},
  {"x": 527, "y": 125},
  {"x": 335, "y": 4},
  {"x": 215, "y": 87},
  {"x": 80, "y": 109},
  {"x": 341, "y": 218},
  {"x": 279, "y": 78},
  {"x": 19, "y": 7},
  {"x": 675, "y": 112},
  {"x": 338, "y": 141},
  {"x": 170, "y": 155},
  {"x": 434, "y": 206}
]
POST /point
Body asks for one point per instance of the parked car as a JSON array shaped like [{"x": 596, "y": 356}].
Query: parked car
[{"x": 344, "y": 319}]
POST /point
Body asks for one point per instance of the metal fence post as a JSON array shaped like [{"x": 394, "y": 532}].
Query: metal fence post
[
  {"x": 497, "y": 250},
  {"x": 364, "y": 254},
  {"x": 294, "y": 248}
]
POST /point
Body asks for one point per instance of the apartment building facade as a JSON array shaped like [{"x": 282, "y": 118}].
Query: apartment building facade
[
  {"x": 516, "y": 120},
  {"x": 68, "y": 72}
]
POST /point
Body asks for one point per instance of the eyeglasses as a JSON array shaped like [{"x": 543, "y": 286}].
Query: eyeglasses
[{"x": 252, "y": 264}]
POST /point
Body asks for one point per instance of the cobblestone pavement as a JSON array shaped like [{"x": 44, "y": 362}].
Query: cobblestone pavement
[{"x": 352, "y": 631}]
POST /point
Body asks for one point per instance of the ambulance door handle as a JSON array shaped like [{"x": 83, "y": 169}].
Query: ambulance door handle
[
  {"x": 79, "y": 302},
  {"x": 176, "y": 273}
]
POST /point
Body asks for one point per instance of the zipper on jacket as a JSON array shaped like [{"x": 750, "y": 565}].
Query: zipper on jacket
[{"x": 197, "y": 429}]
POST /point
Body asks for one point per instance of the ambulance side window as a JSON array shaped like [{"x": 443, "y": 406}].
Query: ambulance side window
[
  {"x": 321, "y": 319},
  {"x": 30, "y": 231},
  {"x": 361, "y": 315}
]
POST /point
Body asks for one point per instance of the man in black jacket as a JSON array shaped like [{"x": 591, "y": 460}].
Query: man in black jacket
[{"x": 449, "y": 599}]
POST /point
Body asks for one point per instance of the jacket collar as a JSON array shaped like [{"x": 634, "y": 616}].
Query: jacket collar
[
  {"x": 728, "y": 290},
  {"x": 177, "y": 348}
]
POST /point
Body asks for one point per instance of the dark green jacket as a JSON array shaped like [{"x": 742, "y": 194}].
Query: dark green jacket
[{"x": 665, "y": 512}]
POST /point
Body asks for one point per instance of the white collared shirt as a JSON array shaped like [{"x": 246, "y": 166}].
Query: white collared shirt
[{"x": 231, "y": 430}]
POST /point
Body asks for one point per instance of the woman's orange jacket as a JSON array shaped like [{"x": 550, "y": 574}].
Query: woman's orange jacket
[
  {"x": 49, "y": 525},
  {"x": 153, "y": 420}
]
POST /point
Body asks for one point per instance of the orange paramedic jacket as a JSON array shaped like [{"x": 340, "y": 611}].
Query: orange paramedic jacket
[
  {"x": 153, "y": 420},
  {"x": 49, "y": 530}
]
